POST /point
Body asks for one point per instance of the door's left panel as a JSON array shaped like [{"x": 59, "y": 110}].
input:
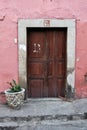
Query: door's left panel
[{"x": 35, "y": 62}]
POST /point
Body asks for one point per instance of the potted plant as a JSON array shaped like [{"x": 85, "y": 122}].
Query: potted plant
[{"x": 14, "y": 95}]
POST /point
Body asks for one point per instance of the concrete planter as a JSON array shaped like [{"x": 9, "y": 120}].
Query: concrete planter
[{"x": 15, "y": 100}]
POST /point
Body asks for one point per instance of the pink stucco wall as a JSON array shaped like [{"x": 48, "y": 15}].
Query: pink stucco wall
[{"x": 12, "y": 10}]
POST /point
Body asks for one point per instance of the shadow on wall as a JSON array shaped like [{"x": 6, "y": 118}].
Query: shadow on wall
[{"x": 2, "y": 98}]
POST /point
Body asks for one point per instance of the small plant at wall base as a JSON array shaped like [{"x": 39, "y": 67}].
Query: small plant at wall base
[{"x": 15, "y": 95}]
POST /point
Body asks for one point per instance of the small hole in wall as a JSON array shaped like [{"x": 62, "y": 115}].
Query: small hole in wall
[{"x": 85, "y": 76}]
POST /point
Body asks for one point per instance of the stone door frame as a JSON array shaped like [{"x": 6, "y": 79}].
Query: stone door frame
[{"x": 23, "y": 24}]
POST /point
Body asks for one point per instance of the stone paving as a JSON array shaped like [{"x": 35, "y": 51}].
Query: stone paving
[{"x": 45, "y": 114}]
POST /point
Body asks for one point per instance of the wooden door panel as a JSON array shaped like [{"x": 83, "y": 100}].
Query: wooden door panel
[
  {"x": 36, "y": 69},
  {"x": 61, "y": 87},
  {"x": 51, "y": 88},
  {"x": 60, "y": 44},
  {"x": 60, "y": 69},
  {"x": 50, "y": 68},
  {"x": 36, "y": 44},
  {"x": 50, "y": 44},
  {"x": 36, "y": 88}
]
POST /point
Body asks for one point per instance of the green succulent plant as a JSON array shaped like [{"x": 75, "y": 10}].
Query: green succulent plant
[{"x": 14, "y": 86}]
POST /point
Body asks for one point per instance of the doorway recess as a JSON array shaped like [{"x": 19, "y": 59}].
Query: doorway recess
[{"x": 23, "y": 24}]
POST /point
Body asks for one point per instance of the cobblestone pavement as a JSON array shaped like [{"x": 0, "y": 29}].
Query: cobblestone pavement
[
  {"x": 46, "y": 125},
  {"x": 45, "y": 114}
]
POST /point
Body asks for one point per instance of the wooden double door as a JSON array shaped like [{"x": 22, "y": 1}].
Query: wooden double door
[{"x": 46, "y": 62}]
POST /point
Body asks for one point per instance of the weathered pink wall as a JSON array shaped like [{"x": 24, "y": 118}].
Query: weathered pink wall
[
  {"x": 81, "y": 57},
  {"x": 12, "y": 10}
]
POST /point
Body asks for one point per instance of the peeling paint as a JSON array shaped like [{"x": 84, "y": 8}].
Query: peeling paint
[
  {"x": 70, "y": 80},
  {"x": 70, "y": 88},
  {"x": 22, "y": 47},
  {"x": 2, "y": 17}
]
